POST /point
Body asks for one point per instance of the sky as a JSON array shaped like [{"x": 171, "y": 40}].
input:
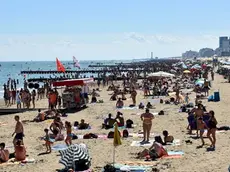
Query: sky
[{"x": 107, "y": 30}]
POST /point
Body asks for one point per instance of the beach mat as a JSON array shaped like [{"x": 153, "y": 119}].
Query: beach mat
[
  {"x": 173, "y": 153},
  {"x": 137, "y": 163}
]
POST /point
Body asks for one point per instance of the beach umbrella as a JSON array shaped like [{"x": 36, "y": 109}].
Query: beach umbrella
[
  {"x": 73, "y": 154},
  {"x": 161, "y": 74},
  {"x": 186, "y": 71},
  {"x": 116, "y": 140}
]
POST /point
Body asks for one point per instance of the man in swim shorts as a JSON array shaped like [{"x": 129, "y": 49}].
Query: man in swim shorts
[{"x": 19, "y": 130}]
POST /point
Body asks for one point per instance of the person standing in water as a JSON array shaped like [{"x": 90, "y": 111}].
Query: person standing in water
[{"x": 147, "y": 118}]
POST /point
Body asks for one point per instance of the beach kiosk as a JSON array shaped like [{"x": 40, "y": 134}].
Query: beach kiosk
[{"x": 72, "y": 97}]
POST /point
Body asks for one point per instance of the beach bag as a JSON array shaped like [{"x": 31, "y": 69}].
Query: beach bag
[
  {"x": 76, "y": 123},
  {"x": 167, "y": 102},
  {"x": 161, "y": 101},
  {"x": 86, "y": 136},
  {"x": 111, "y": 134},
  {"x": 183, "y": 109},
  {"x": 74, "y": 137},
  {"x": 161, "y": 112},
  {"x": 172, "y": 99},
  {"x": 93, "y": 136},
  {"x": 109, "y": 168},
  {"x": 158, "y": 139},
  {"x": 125, "y": 133},
  {"x": 129, "y": 123},
  {"x": 131, "y": 105}
]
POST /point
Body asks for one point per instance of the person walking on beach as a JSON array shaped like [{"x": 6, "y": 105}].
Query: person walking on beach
[
  {"x": 18, "y": 100},
  {"x": 133, "y": 95},
  {"x": 212, "y": 129},
  {"x": 19, "y": 130},
  {"x": 147, "y": 118}
]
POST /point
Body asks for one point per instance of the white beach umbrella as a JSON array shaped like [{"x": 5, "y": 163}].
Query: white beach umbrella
[{"x": 161, "y": 74}]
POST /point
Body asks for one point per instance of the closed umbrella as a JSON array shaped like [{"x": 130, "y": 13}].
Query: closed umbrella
[
  {"x": 116, "y": 140},
  {"x": 73, "y": 154}
]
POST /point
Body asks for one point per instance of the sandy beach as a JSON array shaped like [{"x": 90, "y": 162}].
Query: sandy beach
[{"x": 194, "y": 160}]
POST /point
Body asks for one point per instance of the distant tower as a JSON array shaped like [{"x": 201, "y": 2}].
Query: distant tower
[{"x": 151, "y": 55}]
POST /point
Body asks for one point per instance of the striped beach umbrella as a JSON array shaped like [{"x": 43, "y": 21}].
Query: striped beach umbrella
[{"x": 74, "y": 153}]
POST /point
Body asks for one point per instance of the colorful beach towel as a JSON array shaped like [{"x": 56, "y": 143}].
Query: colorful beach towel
[
  {"x": 59, "y": 147},
  {"x": 137, "y": 135}
]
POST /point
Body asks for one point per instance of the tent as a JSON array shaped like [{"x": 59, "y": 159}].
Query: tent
[{"x": 73, "y": 82}]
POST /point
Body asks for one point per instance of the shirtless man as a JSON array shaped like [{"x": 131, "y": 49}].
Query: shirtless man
[
  {"x": 4, "y": 153},
  {"x": 199, "y": 113},
  {"x": 133, "y": 95},
  {"x": 19, "y": 130},
  {"x": 147, "y": 118}
]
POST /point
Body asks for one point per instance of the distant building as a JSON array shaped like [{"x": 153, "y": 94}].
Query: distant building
[
  {"x": 224, "y": 46},
  {"x": 206, "y": 52},
  {"x": 190, "y": 54}
]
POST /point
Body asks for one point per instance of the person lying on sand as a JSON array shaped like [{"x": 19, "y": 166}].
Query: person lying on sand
[
  {"x": 40, "y": 117},
  {"x": 83, "y": 125},
  {"x": 167, "y": 138},
  {"x": 120, "y": 119},
  {"x": 155, "y": 151},
  {"x": 4, "y": 153},
  {"x": 119, "y": 103},
  {"x": 20, "y": 151},
  {"x": 109, "y": 122}
]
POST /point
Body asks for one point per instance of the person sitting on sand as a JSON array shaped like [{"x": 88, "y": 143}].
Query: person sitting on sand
[
  {"x": 55, "y": 128},
  {"x": 120, "y": 119},
  {"x": 119, "y": 103},
  {"x": 94, "y": 98},
  {"x": 147, "y": 118},
  {"x": 167, "y": 137},
  {"x": 40, "y": 117},
  {"x": 4, "y": 153},
  {"x": 141, "y": 106},
  {"x": 20, "y": 151},
  {"x": 149, "y": 105},
  {"x": 109, "y": 122},
  {"x": 155, "y": 151},
  {"x": 48, "y": 141},
  {"x": 19, "y": 130},
  {"x": 68, "y": 139},
  {"x": 123, "y": 96},
  {"x": 83, "y": 125},
  {"x": 114, "y": 96}
]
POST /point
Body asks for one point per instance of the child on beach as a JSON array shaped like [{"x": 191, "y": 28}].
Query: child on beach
[
  {"x": 68, "y": 139},
  {"x": 167, "y": 138},
  {"x": 201, "y": 126},
  {"x": 186, "y": 99},
  {"x": 48, "y": 141}
]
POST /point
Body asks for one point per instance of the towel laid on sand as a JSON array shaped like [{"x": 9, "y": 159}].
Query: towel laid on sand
[
  {"x": 128, "y": 108},
  {"x": 176, "y": 142},
  {"x": 13, "y": 162}
]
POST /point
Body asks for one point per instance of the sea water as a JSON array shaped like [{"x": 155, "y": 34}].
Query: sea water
[{"x": 13, "y": 70}]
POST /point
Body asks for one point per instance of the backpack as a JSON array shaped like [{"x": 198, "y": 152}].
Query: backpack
[
  {"x": 129, "y": 123},
  {"x": 125, "y": 133},
  {"x": 161, "y": 112},
  {"x": 111, "y": 134}
]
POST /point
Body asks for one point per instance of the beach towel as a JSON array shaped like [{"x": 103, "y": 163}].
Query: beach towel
[
  {"x": 171, "y": 153},
  {"x": 13, "y": 162},
  {"x": 133, "y": 168},
  {"x": 128, "y": 108},
  {"x": 139, "y": 144},
  {"x": 137, "y": 135},
  {"x": 76, "y": 128},
  {"x": 59, "y": 147}
]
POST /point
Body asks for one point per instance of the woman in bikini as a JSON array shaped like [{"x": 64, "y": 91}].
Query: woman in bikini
[
  {"x": 212, "y": 129},
  {"x": 147, "y": 118},
  {"x": 68, "y": 139}
]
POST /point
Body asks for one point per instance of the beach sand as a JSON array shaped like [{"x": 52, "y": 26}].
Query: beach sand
[{"x": 101, "y": 150}]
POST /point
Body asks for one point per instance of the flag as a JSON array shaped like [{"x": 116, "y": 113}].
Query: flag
[
  {"x": 75, "y": 62},
  {"x": 117, "y": 137},
  {"x": 60, "y": 67}
]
